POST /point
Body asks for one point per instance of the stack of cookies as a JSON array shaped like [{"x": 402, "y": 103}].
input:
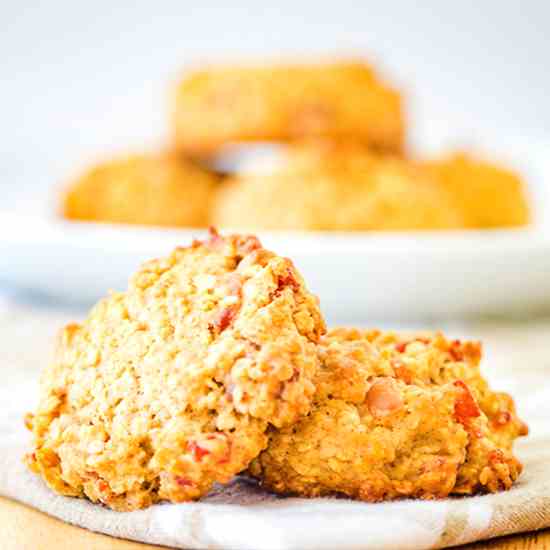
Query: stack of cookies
[
  {"x": 345, "y": 165},
  {"x": 216, "y": 362}
]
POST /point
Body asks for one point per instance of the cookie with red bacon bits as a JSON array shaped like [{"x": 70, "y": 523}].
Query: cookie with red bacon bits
[
  {"x": 171, "y": 385},
  {"x": 396, "y": 416}
]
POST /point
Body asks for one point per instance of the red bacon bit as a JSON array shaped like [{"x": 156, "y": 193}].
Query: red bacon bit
[
  {"x": 184, "y": 481},
  {"x": 401, "y": 346},
  {"x": 465, "y": 405},
  {"x": 455, "y": 350},
  {"x": 502, "y": 418},
  {"x": 102, "y": 486},
  {"x": 288, "y": 279},
  {"x": 197, "y": 451},
  {"x": 402, "y": 372},
  {"x": 224, "y": 318}
]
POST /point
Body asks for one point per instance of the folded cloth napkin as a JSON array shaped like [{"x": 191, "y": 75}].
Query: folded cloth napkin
[{"x": 243, "y": 516}]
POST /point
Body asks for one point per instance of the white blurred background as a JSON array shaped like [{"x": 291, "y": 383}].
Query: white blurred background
[{"x": 79, "y": 79}]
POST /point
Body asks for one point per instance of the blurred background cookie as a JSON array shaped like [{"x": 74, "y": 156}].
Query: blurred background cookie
[
  {"x": 337, "y": 188},
  {"x": 341, "y": 132},
  {"x": 488, "y": 195},
  {"x": 147, "y": 189},
  {"x": 345, "y": 187},
  {"x": 271, "y": 102}
]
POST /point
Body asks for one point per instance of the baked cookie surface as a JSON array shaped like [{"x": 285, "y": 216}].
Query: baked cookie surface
[
  {"x": 339, "y": 188},
  {"x": 396, "y": 416},
  {"x": 338, "y": 100},
  {"x": 171, "y": 385},
  {"x": 163, "y": 190},
  {"x": 488, "y": 195}
]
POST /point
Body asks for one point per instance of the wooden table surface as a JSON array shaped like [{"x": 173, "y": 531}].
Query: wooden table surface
[{"x": 22, "y": 528}]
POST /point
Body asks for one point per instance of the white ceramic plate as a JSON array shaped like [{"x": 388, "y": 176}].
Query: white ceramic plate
[{"x": 358, "y": 276}]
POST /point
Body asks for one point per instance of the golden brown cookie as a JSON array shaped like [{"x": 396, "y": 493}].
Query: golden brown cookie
[
  {"x": 334, "y": 187},
  {"x": 161, "y": 189},
  {"x": 342, "y": 100},
  {"x": 396, "y": 416},
  {"x": 487, "y": 194},
  {"x": 171, "y": 385}
]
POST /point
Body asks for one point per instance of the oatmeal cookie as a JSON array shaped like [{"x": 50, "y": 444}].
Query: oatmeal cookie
[
  {"x": 171, "y": 385},
  {"x": 334, "y": 187},
  {"x": 488, "y": 195},
  {"x": 396, "y": 416},
  {"x": 162, "y": 189},
  {"x": 341, "y": 100}
]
